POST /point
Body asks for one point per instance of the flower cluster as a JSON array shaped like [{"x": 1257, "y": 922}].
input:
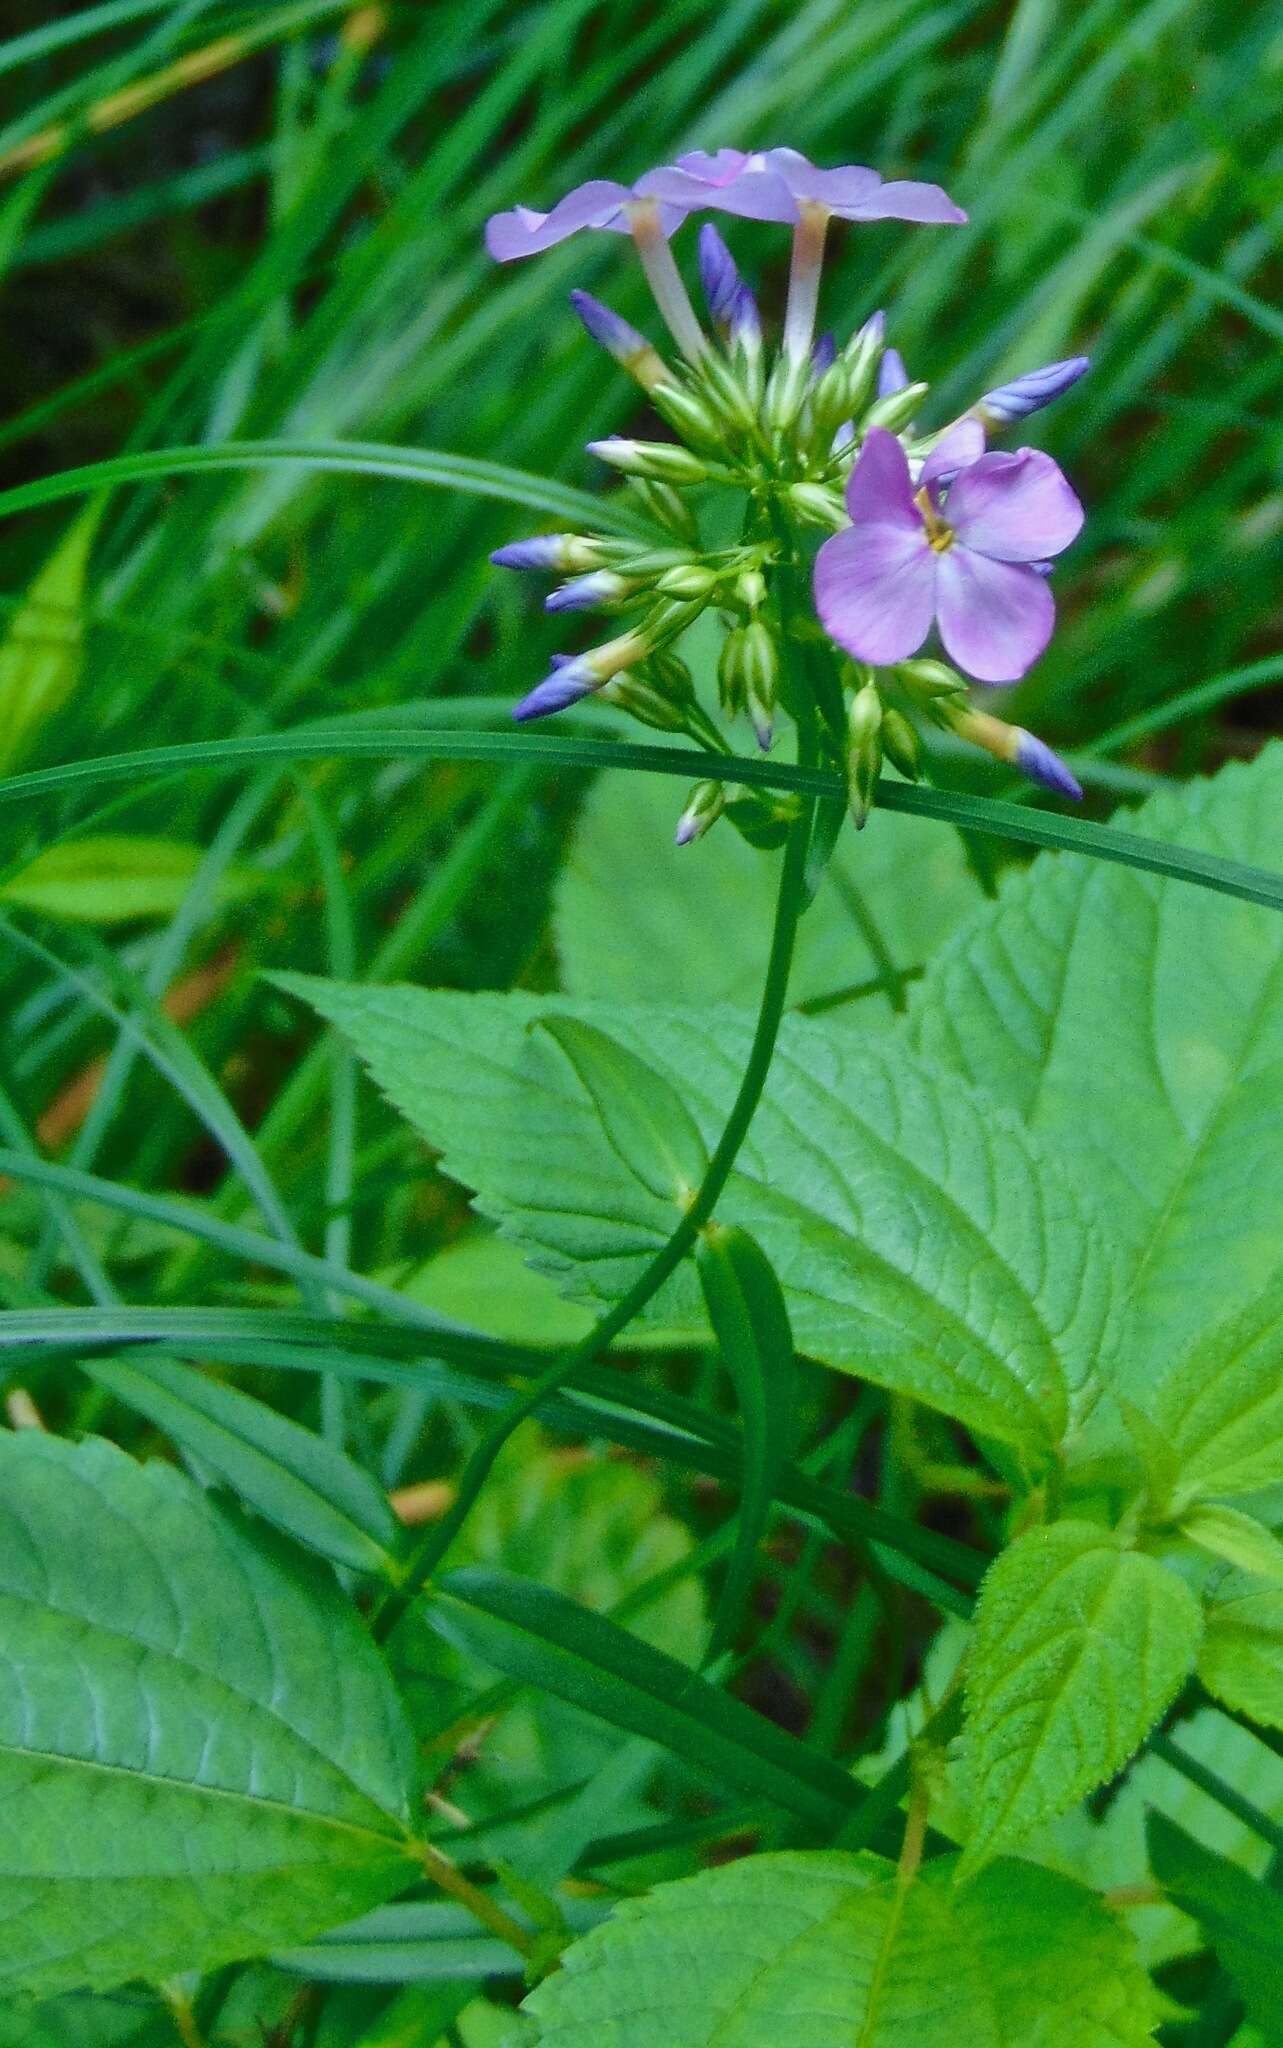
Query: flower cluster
[{"x": 927, "y": 529}]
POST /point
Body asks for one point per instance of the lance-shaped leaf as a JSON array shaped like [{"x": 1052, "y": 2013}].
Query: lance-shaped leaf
[
  {"x": 201, "y": 1755},
  {"x": 825, "y": 1951},
  {"x": 42, "y": 649},
  {"x": 750, "y": 1321},
  {"x": 919, "y": 1239},
  {"x": 642, "y": 1114},
  {"x": 1241, "y": 1918},
  {"x": 1220, "y": 1404},
  {"x": 309, "y": 1489},
  {"x": 114, "y": 878},
  {"x": 1137, "y": 1025},
  {"x": 1241, "y": 1659},
  {"x": 1080, "y": 1646},
  {"x": 1236, "y": 1538}
]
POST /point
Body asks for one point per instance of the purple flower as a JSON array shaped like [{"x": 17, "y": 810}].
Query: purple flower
[
  {"x": 962, "y": 558},
  {"x": 774, "y": 184},
  {"x": 601, "y": 203}
]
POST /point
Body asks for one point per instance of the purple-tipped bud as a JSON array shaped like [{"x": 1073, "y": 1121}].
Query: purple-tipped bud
[
  {"x": 745, "y": 331},
  {"x": 630, "y": 349},
  {"x": 873, "y": 331},
  {"x": 843, "y": 437},
  {"x": 585, "y": 593},
  {"x": 824, "y": 354},
  {"x": 892, "y": 375},
  {"x": 704, "y": 807},
  {"x": 719, "y": 276},
  {"x": 1035, "y": 759},
  {"x": 541, "y": 551},
  {"x": 569, "y": 681},
  {"x": 1015, "y": 401}
]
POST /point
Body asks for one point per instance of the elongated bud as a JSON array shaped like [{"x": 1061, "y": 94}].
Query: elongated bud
[
  {"x": 720, "y": 278},
  {"x": 704, "y": 806},
  {"x": 830, "y": 400},
  {"x": 864, "y": 756},
  {"x": 630, "y": 349},
  {"x": 575, "y": 676},
  {"x": 666, "y": 507},
  {"x": 564, "y": 553},
  {"x": 1015, "y": 401},
  {"x": 927, "y": 678},
  {"x": 896, "y": 409},
  {"x": 631, "y": 693},
  {"x": 750, "y": 589},
  {"x": 730, "y": 673},
  {"x": 626, "y": 558},
  {"x": 785, "y": 390},
  {"x": 1024, "y": 750},
  {"x": 590, "y": 593},
  {"x": 657, "y": 459},
  {"x": 688, "y": 413},
  {"x": 728, "y": 390},
  {"x": 758, "y": 662},
  {"x": 689, "y": 580},
  {"x": 818, "y": 506},
  {"x": 892, "y": 375},
  {"x": 900, "y": 742},
  {"x": 824, "y": 353},
  {"x": 668, "y": 672},
  {"x": 862, "y": 355}
]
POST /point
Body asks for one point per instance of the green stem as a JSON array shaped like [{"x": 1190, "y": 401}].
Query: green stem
[{"x": 788, "y": 909}]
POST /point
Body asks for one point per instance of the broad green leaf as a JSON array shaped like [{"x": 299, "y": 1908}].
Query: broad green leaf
[
  {"x": 201, "y": 1756},
  {"x": 42, "y": 647},
  {"x": 309, "y": 1489},
  {"x": 1080, "y": 1646},
  {"x": 697, "y": 928},
  {"x": 414, "y": 1942},
  {"x": 1137, "y": 1025},
  {"x": 113, "y": 879},
  {"x": 642, "y": 1114},
  {"x": 1241, "y": 1659},
  {"x": 823, "y": 1951},
  {"x": 920, "y": 1241},
  {"x": 1236, "y": 1538},
  {"x": 750, "y": 1321},
  {"x": 1220, "y": 1404},
  {"x": 1241, "y": 1917},
  {"x": 82, "y": 2022}
]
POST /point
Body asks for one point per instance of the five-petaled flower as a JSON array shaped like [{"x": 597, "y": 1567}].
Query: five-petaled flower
[
  {"x": 967, "y": 548},
  {"x": 774, "y": 184}
]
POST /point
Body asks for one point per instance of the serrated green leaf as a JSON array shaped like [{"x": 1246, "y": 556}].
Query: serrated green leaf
[
  {"x": 822, "y": 1951},
  {"x": 1241, "y": 1658},
  {"x": 699, "y": 930},
  {"x": 201, "y": 1756},
  {"x": 1241, "y": 1917},
  {"x": 1221, "y": 1403},
  {"x": 309, "y": 1489},
  {"x": 113, "y": 879},
  {"x": 856, "y": 1163},
  {"x": 1080, "y": 976},
  {"x": 641, "y": 1113},
  {"x": 1080, "y": 1646},
  {"x": 42, "y": 648},
  {"x": 1237, "y": 1538}
]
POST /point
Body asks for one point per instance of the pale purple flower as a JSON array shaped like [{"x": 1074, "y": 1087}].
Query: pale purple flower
[
  {"x": 601, "y": 203},
  {"x": 962, "y": 558},
  {"x": 1015, "y": 401},
  {"x": 774, "y": 184}
]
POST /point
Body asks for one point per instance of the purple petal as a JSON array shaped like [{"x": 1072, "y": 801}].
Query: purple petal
[
  {"x": 1035, "y": 759},
  {"x": 906, "y": 199},
  {"x": 523, "y": 232},
  {"x": 730, "y": 181},
  {"x": 962, "y": 445},
  {"x": 892, "y": 375},
  {"x": 719, "y": 276},
  {"x": 609, "y": 329},
  {"x": 879, "y": 491},
  {"x": 1015, "y": 508},
  {"x": 541, "y": 551},
  {"x": 995, "y": 617},
  {"x": 566, "y": 685},
  {"x": 582, "y": 594},
  {"x": 875, "y": 592},
  {"x": 824, "y": 354},
  {"x": 852, "y": 185},
  {"x": 721, "y": 167}
]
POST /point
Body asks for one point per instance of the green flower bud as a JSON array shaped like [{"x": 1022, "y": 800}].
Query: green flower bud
[
  {"x": 830, "y": 399},
  {"x": 666, "y": 506},
  {"x": 862, "y": 355},
  {"x": 750, "y": 589},
  {"x": 761, "y": 667},
  {"x": 818, "y": 505},
  {"x": 661, "y": 460},
  {"x": 631, "y": 560},
  {"x": 690, "y": 580},
  {"x": 936, "y": 688},
  {"x": 704, "y": 806},
  {"x": 631, "y": 693},
  {"x": 726, "y": 391},
  {"x": 785, "y": 390},
  {"x": 730, "y": 672},
  {"x": 900, "y": 742},
  {"x": 669, "y": 673},
  {"x": 896, "y": 409},
  {"x": 693, "y": 419},
  {"x": 864, "y": 756},
  {"x": 762, "y": 822}
]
